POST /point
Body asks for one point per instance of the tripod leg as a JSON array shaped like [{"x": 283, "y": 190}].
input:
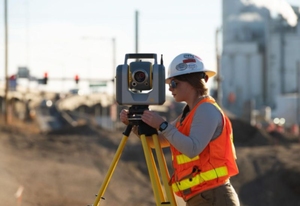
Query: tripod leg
[
  {"x": 157, "y": 178},
  {"x": 113, "y": 165},
  {"x": 164, "y": 171},
  {"x": 158, "y": 194}
]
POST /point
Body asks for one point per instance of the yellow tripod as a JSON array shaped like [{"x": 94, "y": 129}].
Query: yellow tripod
[{"x": 162, "y": 198}]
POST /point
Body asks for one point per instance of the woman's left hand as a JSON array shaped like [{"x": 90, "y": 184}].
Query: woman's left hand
[{"x": 153, "y": 119}]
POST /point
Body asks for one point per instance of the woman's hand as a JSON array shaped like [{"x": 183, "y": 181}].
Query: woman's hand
[
  {"x": 153, "y": 119},
  {"x": 124, "y": 119},
  {"x": 124, "y": 116}
]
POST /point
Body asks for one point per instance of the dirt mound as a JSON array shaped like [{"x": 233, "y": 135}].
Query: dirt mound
[
  {"x": 68, "y": 169},
  {"x": 269, "y": 166},
  {"x": 246, "y": 135}
]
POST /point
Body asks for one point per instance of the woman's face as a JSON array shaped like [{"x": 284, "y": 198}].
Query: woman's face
[{"x": 180, "y": 90}]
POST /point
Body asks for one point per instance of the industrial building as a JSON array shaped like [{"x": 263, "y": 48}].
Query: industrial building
[{"x": 260, "y": 61}]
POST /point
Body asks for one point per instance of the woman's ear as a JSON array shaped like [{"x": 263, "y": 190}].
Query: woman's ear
[{"x": 206, "y": 78}]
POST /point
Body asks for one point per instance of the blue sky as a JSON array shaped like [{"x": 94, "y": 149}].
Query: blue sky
[
  {"x": 69, "y": 37},
  {"x": 48, "y": 35}
]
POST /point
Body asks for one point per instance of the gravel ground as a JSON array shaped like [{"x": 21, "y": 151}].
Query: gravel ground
[{"x": 60, "y": 170}]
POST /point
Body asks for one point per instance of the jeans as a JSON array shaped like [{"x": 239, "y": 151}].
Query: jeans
[{"x": 223, "y": 195}]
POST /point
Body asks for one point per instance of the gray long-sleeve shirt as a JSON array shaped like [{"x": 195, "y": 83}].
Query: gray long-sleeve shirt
[{"x": 207, "y": 125}]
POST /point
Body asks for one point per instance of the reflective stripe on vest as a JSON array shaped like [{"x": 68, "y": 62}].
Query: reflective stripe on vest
[
  {"x": 181, "y": 159},
  {"x": 199, "y": 178}
]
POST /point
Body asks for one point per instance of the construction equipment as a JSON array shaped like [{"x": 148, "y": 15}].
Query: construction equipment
[{"x": 163, "y": 193}]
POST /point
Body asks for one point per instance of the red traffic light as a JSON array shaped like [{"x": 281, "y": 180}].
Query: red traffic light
[
  {"x": 76, "y": 78},
  {"x": 45, "y": 79},
  {"x": 12, "y": 77}
]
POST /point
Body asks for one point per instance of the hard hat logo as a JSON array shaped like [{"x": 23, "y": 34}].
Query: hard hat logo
[
  {"x": 189, "y": 60},
  {"x": 188, "y": 56},
  {"x": 181, "y": 67},
  {"x": 184, "y": 66},
  {"x": 192, "y": 66}
]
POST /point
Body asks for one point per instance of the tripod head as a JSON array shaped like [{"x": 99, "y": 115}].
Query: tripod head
[
  {"x": 135, "y": 113},
  {"x": 135, "y": 118}
]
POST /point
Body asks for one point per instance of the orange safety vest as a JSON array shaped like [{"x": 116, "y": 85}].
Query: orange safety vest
[{"x": 211, "y": 168}]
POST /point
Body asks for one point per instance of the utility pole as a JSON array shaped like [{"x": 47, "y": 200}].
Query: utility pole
[
  {"x": 298, "y": 91},
  {"x": 6, "y": 62},
  {"x": 114, "y": 52},
  {"x": 114, "y": 56},
  {"x": 218, "y": 76},
  {"x": 136, "y": 31}
]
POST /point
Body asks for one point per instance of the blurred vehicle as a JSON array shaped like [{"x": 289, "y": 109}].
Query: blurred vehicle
[{"x": 46, "y": 103}]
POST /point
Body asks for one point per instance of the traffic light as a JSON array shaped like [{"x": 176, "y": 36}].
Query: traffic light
[
  {"x": 45, "y": 79},
  {"x": 13, "y": 77},
  {"x": 76, "y": 79},
  {"x": 12, "y": 82}
]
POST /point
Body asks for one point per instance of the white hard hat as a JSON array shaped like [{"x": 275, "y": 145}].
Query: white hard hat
[{"x": 187, "y": 63}]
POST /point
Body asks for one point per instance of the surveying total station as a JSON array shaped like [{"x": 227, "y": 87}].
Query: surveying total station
[{"x": 140, "y": 84}]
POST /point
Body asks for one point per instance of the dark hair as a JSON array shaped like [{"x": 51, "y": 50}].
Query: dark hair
[{"x": 196, "y": 80}]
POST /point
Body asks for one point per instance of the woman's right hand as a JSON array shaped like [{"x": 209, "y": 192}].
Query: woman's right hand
[
  {"x": 124, "y": 119},
  {"x": 124, "y": 116}
]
